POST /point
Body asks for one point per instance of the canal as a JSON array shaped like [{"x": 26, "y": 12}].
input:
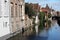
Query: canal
[{"x": 53, "y": 33}]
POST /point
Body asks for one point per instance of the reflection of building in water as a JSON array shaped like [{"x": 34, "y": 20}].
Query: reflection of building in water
[
  {"x": 36, "y": 22},
  {"x": 47, "y": 12},
  {"x": 56, "y": 19}
]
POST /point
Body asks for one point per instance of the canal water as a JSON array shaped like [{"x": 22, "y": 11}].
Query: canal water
[{"x": 53, "y": 33}]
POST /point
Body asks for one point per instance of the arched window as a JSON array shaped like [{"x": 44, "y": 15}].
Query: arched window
[
  {"x": 5, "y": 1},
  {"x": 12, "y": 9}
]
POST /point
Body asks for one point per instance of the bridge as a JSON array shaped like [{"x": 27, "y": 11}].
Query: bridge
[{"x": 56, "y": 18}]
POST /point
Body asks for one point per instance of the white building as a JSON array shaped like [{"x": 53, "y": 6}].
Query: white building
[
  {"x": 4, "y": 17},
  {"x": 6, "y": 21},
  {"x": 54, "y": 13}
]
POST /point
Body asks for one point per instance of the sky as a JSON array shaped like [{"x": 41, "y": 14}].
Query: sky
[{"x": 55, "y": 4}]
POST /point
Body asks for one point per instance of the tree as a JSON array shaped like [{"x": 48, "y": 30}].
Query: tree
[
  {"x": 29, "y": 11},
  {"x": 41, "y": 18}
]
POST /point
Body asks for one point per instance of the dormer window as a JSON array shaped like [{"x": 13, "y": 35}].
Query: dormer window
[{"x": 5, "y": 0}]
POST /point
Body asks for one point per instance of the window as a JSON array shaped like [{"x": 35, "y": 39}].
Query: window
[
  {"x": 11, "y": 2},
  {"x": 17, "y": 26},
  {"x": 12, "y": 24},
  {"x": 16, "y": 10},
  {"x": 5, "y": 1},
  {"x": 6, "y": 14},
  {"x": 0, "y": 10},
  {"x": 12, "y": 9},
  {"x": 5, "y": 24},
  {"x": 19, "y": 10}
]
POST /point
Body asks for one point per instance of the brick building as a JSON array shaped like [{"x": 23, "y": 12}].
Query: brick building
[
  {"x": 35, "y": 7},
  {"x": 17, "y": 14}
]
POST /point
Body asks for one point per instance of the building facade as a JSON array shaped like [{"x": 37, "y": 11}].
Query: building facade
[
  {"x": 35, "y": 7},
  {"x": 4, "y": 18},
  {"x": 12, "y": 15},
  {"x": 17, "y": 15},
  {"x": 58, "y": 13},
  {"x": 28, "y": 22}
]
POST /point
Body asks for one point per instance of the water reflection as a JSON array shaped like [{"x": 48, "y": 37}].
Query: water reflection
[
  {"x": 44, "y": 33},
  {"x": 53, "y": 33}
]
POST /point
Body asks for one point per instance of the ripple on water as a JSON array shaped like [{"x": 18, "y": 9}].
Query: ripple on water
[{"x": 54, "y": 32}]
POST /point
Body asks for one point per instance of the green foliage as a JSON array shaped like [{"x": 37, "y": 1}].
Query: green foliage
[
  {"x": 49, "y": 23},
  {"x": 29, "y": 11},
  {"x": 41, "y": 18},
  {"x": 49, "y": 15}
]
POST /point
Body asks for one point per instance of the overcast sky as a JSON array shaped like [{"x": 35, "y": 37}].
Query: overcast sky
[{"x": 54, "y": 3}]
